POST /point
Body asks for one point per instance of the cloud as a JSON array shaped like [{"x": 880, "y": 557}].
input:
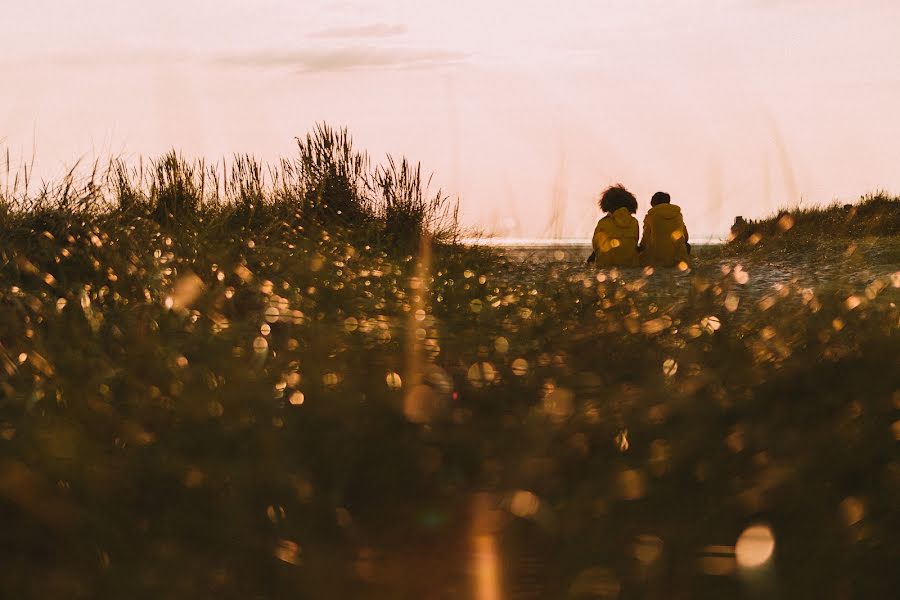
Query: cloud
[
  {"x": 375, "y": 30},
  {"x": 351, "y": 59}
]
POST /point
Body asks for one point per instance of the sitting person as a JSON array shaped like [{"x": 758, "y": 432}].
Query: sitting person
[
  {"x": 616, "y": 235},
  {"x": 665, "y": 241}
]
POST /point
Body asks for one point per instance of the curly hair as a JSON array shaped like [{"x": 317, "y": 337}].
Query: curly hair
[{"x": 616, "y": 197}]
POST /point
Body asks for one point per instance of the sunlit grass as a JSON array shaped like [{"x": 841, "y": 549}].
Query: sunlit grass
[
  {"x": 252, "y": 401},
  {"x": 875, "y": 215}
]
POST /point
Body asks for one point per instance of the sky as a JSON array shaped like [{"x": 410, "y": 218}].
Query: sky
[{"x": 523, "y": 110}]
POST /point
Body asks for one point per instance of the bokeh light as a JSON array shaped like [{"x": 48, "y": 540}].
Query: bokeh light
[{"x": 754, "y": 546}]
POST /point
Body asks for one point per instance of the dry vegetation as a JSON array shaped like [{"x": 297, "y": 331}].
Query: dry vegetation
[
  {"x": 268, "y": 386},
  {"x": 875, "y": 215}
]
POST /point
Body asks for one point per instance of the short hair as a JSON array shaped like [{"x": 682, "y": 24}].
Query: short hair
[
  {"x": 616, "y": 197},
  {"x": 660, "y": 198}
]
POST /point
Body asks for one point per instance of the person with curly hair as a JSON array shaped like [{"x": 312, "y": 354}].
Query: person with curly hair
[{"x": 616, "y": 236}]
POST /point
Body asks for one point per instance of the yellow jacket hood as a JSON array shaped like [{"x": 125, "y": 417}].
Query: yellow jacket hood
[
  {"x": 622, "y": 217},
  {"x": 665, "y": 211}
]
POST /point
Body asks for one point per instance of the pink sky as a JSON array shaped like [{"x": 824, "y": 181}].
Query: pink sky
[{"x": 732, "y": 106}]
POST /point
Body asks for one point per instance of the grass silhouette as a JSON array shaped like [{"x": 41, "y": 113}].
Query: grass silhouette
[{"x": 875, "y": 215}]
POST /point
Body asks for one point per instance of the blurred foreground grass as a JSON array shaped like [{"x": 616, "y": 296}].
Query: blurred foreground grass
[{"x": 283, "y": 410}]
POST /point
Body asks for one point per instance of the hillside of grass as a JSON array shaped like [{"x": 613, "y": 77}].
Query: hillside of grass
[
  {"x": 293, "y": 382},
  {"x": 874, "y": 216}
]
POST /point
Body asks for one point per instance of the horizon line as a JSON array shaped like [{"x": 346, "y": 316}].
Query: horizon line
[{"x": 553, "y": 242}]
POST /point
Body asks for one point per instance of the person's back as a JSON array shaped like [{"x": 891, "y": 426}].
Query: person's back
[
  {"x": 665, "y": 242},
  {"x": 616, "y": 235}
]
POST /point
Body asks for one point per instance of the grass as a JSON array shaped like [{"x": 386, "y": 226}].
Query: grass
[
  {"x": 875, "y": 215},
  {"x": 255, "y": 395},
  {"x": 329, "y": 185}
]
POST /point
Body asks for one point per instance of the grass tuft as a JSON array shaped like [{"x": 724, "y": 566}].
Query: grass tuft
[
  {"x": 327, "y": 185},
  {"x": 875, "y": 214}
]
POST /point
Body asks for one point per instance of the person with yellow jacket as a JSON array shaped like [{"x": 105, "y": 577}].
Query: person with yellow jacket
[
  {"x": 665, "y": 241},
  {"x": 616, "y": 235}
]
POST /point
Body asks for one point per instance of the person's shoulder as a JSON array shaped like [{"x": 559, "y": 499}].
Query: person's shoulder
[{"x": 632, "y": 223}]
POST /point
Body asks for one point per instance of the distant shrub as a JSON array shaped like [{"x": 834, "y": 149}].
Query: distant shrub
[
  {"x": 176, "y": 188},
  {"x": 245, "y": 186},
  {"x": 124, "y": 189},
  {"x": 334, "y": 176},
  {"x": 403, "y": 204},
  {"x": 875, "y": 214}
]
